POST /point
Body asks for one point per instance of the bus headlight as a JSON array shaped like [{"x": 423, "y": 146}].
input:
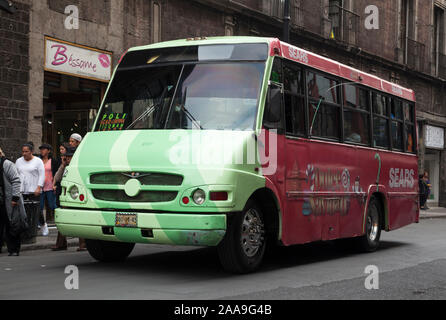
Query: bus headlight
[
  {"x": 199, "y": 197},
  {"x": 74, "y": 192}
]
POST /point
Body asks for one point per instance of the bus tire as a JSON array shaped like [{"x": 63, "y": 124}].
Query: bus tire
[
  {"x": 243, "y": 247},
  {"x": 107, "y": 251},
  {"x": 369, "y": 242}
]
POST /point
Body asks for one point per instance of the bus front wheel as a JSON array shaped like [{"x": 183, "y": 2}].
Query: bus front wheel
[
  {"x": 243, "y": 248},
  {"x": 370, "y": 241},
  {"x": 107, "y": 251}
]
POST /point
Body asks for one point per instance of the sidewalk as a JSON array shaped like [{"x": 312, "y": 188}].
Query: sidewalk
[
  {"x": 45, "y": 243},
  {"x": 433, "y": 213}
]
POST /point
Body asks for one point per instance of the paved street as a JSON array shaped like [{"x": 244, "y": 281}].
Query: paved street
[{"x": 412, "y": 264}]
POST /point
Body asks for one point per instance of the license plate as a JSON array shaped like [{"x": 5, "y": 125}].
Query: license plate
[{"x": 125, "y": 220}]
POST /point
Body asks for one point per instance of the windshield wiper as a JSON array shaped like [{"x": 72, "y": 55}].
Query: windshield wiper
[
  {"x": 187, "y": 113},
  {"x": 149, "y": 110}
]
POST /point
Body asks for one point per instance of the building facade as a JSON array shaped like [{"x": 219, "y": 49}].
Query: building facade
[{"x": 403, "y": 41}]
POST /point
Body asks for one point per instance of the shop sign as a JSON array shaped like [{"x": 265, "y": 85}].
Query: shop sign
[
  {"x": 434, "y": 137},
  {"x": 76, "y": 60}
]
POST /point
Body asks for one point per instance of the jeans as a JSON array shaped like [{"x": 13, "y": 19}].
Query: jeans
[{"x": 50, "y": 197}]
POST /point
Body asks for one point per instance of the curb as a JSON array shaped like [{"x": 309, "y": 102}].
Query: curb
[
  {"x": 432, "y": 216},
  {"x": 47, "y": 245}
]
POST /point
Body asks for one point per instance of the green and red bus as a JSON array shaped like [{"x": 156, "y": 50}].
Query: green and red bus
[{"x": 240, "y": 143}]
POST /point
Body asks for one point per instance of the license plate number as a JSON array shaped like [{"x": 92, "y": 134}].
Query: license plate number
[{"x": 126, "y": 220}]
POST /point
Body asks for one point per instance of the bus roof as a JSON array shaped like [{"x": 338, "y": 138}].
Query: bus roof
[{"x": 288, "y": 51}]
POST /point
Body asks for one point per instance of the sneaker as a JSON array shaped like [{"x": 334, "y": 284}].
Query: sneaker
[{"x": 45, "y": 231}]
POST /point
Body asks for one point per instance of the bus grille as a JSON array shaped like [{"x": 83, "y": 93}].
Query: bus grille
[
  {"x": 145, "y": 178},
  {"x": 144, "y": 196}
]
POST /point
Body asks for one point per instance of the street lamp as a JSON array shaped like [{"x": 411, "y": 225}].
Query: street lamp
[{"x": 286, "y": 21}]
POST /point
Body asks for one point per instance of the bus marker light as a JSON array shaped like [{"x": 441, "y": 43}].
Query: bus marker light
[
  {"x": 82, "y": 198},
  {"x": 186, "y": 200},
  {"x": 219, "y": 196}
]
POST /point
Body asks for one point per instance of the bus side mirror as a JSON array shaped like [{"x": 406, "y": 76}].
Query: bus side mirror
[{"x": 273, "y": 110}]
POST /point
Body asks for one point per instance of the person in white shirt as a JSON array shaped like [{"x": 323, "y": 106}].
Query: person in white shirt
[{"x": 32, "y": 175}]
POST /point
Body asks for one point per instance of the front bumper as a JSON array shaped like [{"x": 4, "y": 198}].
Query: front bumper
[{"x": 167, "y": 228}]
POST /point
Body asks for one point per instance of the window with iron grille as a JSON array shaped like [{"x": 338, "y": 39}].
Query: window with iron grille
[
  {"x": 297, "y": 13},
  {"x": 277, "y": 8},
  {"x": 439, "y": 42},
  {"x": 344, "y": 23}
]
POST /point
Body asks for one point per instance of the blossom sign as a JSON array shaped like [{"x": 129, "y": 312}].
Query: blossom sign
[{"x": 79, "y": 61}]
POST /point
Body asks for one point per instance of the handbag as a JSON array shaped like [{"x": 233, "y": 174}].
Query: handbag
[{"x": 17, "y": 222}]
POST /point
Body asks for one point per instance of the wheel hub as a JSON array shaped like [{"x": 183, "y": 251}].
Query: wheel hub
[
  {"x": 253, "y": 233},
  {"x": 372, "y": 226}
]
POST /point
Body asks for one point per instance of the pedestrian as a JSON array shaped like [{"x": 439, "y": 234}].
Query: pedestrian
[
  {"x": 61, "y": 242},
  {"x": 423, "y": 191},
  {"x": 32, "y": 176},
  {"x": 12, "y": 211},
  {"x": 48, "y": 195},
  {"x": 429, "y": 186},
  {"x": 75, "y": 140},
  {"x": 62, "y": 149}
]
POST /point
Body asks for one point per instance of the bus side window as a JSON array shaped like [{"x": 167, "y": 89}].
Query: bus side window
[
  {"x": 273, "y": 115},
  {"x": 324, "y": 107},
  {"x": 380, "y": 121},
  {"x": 396, "y": 115},
  {"x": 276, "y": 72},
  {"x": 409, "y": 127},
  {"x": 294, "y": 100},
  {"x": 356, "y": 115}
]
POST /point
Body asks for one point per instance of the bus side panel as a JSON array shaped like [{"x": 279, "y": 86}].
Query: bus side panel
[
  {"x": 337, "y": 185},
  {"x": 400, "y": 176},
  {"x": 302, "y": 225}
]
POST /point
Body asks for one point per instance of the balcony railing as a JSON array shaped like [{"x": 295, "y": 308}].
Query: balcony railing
[
  {"x": 275, "y": 8},
  {"x": 344, "y": 25},
  {"x": 297, "y": 13},
  {"x": 415, "y": 55}
]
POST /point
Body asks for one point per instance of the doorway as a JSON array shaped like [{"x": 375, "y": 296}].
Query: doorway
[
  {"x": 71, "y": 105},
  {"x": 432, "y": 166}
]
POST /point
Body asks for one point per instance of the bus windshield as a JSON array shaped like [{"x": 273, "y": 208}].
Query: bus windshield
[{"x": 204, "y": 96}]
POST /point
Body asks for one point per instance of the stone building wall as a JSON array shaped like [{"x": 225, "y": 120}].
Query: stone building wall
[{"x": 14, "y": 78}]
